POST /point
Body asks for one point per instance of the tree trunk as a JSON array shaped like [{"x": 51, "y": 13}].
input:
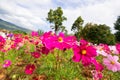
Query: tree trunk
[{"x": 56, "y": 28}]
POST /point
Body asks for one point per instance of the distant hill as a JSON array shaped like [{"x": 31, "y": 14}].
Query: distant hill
[{"x": 10, "y": 26}]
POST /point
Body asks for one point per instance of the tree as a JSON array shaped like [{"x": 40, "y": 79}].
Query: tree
[
  {"x": 64, "y": 30},
  {"x": 77, "y": 27},
  {"x": 98, "y": 34},
  {"x": 56, "y": 17},
  {"x": 117, "y": 27},
  {"x": 40, "y": 32}
]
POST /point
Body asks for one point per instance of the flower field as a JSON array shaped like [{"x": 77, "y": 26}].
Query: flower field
[{"x": 57, "y": 57}]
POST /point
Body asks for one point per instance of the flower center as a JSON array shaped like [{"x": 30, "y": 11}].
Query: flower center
[
  {"x": 112, "y": 62},
  {"x": 84, "y": 52},
  {"x": 60, "y": 39},
  {"x": 6, "y": 62},
  {"x": 101, "y": 49},
  {"x": 30, "y": 69},
  {"x": 52, "y": 34}
]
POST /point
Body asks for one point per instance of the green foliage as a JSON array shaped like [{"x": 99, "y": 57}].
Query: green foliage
[
  {"x": 117, "y": 27},
  {"x": 110, "y": 75},
  {"x": 40, "y": 32},
  {"x": 98, "y": 34},
  {"x": 56, "y": 17},
  {"x": 19, "y": 32},
  {"x": 117, "y": 24},
  {"x": 59, "y": 66},
  {"x": 77, "y": 27},
  {"x": 117, "y": 36},
  {"x": 64, "y": 30}
]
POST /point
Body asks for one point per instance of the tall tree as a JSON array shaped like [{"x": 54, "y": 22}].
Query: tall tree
[
  {"x": 98, "y": 33},
  {"x": 117, "y": 27},
  {"x": 56, "y": 17},
  {"x": 77, "y": 27}
]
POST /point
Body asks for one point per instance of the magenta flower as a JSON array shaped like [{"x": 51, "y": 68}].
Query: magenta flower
[
  {"x": 35, "y": 54},
  {"x": 51, "y": 41},
  {"x": 105, "y": 47},
  {"x": 113, "y": 50},
  {"x": 97, "y": 75},
  {"x": 29, "y": 69},
  {"x": 45, "y": 50},
  {"x": 19, "y": 45},
  {"x": 34, "y": 33},
  {"x": 84, "y": 53},
  {"x": 2, "y": 42},
  {"x": 118, "y": 47},
  {"x": 83, "y": 42},
  {"x": 47, "y": 35},
  {"x": 18, "y": 39},
  {"x": 64, "y": 42},
  {"x": 48, "y": 39},
  {"x": 101, "y": 51},
  {"x": 7, "y": 63},
  {"x": 98, "y": 66},
  {"x": 111, "y": 62}
]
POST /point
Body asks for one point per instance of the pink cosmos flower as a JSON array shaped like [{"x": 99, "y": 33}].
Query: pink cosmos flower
[
  {"x": 13, "y": 46},
  {"x": 101, "y": 51},
  {"x": 84, "y": 53},
  {"x": 7, "y": 45},
  {"x": 97, "y": 75},
  {"x": 113, "y": 50},
  {"x": 105, "y": 48},
  {"x": 83, "y": 42},
  {"x": 35, "y": 54},
  {"x": 59, "y": 41},
  {"x": 34, "y": 33},
  {"x": 29, "y": 69},
  {"x": 118, "y": 47},
  {"x": 47, "y": 35},
  {"x": 111, "y": 62},
  {"x": 2, "y": 42},
  {"x": 98, "y": 66},
  {"x": 19, "y": 45},
  {"x": 45, "y": 50},
  {"x": 7, "y": 63},
  {"x": 18, "y": 40},
  {"x": 35, "y": 41},
  {"x": 64, "y": 42},
  {"x": 48, "y": 39}
]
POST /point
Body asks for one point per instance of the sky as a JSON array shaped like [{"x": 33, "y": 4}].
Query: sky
[{"x": 32, "y": 14}]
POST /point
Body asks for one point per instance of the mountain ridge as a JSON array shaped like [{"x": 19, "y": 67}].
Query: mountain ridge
[{"x": 11, "y": 26}]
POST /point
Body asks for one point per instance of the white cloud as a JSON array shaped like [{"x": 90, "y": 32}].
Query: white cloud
[
  {"x": 22, "y": 15},
  {"x": 32, "y": 13},
  {"x": 101, "y": 13}
]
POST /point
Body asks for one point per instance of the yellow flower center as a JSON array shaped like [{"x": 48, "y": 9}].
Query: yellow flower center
[
  {"x": 30, "y": 69},
  {"x": 60, "y": 39},
  {"x": 84, "y": 52},
  {"x": 52, "y": 34},
  {"x": 101, "y": 49},
  {"x": 112, "y": 62},
  {"x": 6, "y": 62}
]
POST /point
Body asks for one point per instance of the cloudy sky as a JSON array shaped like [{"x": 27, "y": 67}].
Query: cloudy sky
[{"x": 32, "y": 13}]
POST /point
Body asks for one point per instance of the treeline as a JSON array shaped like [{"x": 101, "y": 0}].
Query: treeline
[{"x": 95, "y": 33}]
